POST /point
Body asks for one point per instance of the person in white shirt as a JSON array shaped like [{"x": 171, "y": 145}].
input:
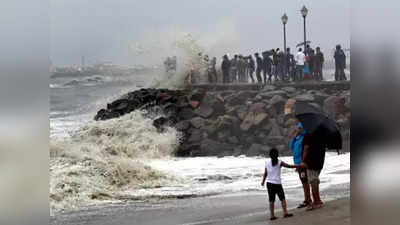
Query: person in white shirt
[
  {"x": 274, "y": 185},
  {"x": 300, "y": 62}
]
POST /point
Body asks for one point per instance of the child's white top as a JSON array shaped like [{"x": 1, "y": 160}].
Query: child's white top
[{"x": 274, "y": 172}]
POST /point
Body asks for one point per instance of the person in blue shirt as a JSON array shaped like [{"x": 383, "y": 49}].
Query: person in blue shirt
[{"x": 296, "y": 145}]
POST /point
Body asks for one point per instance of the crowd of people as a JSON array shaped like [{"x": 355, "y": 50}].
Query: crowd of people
[
  {"x": 280, "y": 65},
  {"x": 272, "y": 65}
]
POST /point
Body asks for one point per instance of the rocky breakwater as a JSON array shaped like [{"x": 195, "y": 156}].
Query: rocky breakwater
[{"x": 229, "y": 122}]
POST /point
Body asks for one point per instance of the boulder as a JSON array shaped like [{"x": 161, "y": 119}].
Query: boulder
[
  {"x": 186, "y": 113},
  {"x": 254, "y": 117},
  {"x": 270, "y": 94},
  {"x": 257, "y": 107},
  {"x": 188, "y": 150},
  {"x": 304, "y": 98},
  {"x": 289, "y": 89},
  {"x": 197, "y": 95},
  {"x": 290, "y": 122},
  {"x": 196, "y": 136},
  {"x": 233, "y": 140},
  {"x": 211, "y": 147},
  {"x": 198, "y": 122},
  {"x": 182, "y": 125},
  {"x": 205, "y": 110},
  {"x": 238, "y": 150},
  {"x": 289, "y": 106},
  {"x": 275, "y": 140},
  {"x": 269, "y": 88},
  {"x": 240, "y": 98},
  {"x": 335, "y": 106},
  {"x": 275, "y": 128},
  {"x": 241, "y": 111},
  {"x": 278, "y": 102}
]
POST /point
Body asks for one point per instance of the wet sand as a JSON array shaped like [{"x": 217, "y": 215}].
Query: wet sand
[{"x": 242, "y": 208}]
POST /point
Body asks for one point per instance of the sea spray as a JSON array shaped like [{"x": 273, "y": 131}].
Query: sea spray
[{"x": 102, "y": 159}]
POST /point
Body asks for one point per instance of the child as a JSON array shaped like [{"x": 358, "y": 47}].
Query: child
[{"x": 274, "y": 185}]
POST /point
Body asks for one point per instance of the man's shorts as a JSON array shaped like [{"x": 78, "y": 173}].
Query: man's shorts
[
  {"x": 275, "y": 189},
  {"x": 303, "y": 175},
  {"x": 313, "y": 176}
]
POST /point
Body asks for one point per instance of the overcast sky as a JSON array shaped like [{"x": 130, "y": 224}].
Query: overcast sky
[{"x": 106, "y": 30}]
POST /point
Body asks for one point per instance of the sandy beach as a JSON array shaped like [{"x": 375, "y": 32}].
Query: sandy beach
[{"x": 241, "y": 208}]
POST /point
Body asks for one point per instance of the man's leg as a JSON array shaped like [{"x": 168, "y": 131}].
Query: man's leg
[
  {"x": 313, "y": 177},
  {"x": 306, "y": 188}
]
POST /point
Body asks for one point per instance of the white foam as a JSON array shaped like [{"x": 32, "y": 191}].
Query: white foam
[
  {"x": 103, "y": 158},
  {"x": 210, "y": 175}
]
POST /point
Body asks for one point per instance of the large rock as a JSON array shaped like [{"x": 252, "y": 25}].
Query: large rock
[
  {"x": 290, "y": 106},
  {"x": 289, "y": 90},
  {"x": 252, "y": 119},
  {"x": 278, "y": 102},
  {"x": 269, "y": 88},
  {"x": 275, "y": 129},
  {"x": 241, "y": 112},
  {"x": 182, "y": 125},
  {"x": 196, "y": 135},
  {"x": 255, "y": 116},
  {"x": 270, "y": 94},
  {"x": 205, "y": 110},
  {"x": 240, "y": 98},
  {"x": 211, "y": 147},
  {"x": 186, "y": 113},
  {"x": 305, "y": 98},
  {"x": 335, "y": 106},
  {"x": 198, "y": 122}
]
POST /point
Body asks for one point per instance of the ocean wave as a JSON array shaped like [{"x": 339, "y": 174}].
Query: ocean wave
[{"x": 102, "y": 159}]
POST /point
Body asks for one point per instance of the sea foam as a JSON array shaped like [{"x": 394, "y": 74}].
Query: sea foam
[{"x": 101, "y": 159}]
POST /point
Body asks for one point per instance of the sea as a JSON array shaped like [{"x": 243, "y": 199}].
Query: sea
[{"x": 100, "y": 162}]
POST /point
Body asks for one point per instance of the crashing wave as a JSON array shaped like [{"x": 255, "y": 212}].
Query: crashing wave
[{"x": 102, "y": 159}]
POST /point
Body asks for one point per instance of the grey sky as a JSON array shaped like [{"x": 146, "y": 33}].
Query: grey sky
[{"x": 105, "y": 29}]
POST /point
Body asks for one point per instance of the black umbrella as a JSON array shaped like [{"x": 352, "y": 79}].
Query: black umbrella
[
  {"x": 319, "y": 125},
  {"x": 302, "y": 43}
]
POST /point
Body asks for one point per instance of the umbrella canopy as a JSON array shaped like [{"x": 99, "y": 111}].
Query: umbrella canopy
[
  {"x": 302, "y": 43},
  {"x": 319, "y": 125}
]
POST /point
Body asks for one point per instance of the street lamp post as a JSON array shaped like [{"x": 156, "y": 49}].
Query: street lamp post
[
  {"x": 284, "y": 21},
  {"x": 304, "y": 12}
]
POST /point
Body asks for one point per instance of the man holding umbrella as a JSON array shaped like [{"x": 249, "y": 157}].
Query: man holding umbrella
[
  {"x": 313, "y": 160},
  {"x": 322, "y": 134}
]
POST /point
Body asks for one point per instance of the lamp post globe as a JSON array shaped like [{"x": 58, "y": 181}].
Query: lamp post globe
[
  {"x": 284, "y": 18},
  {"x": 304, "y": 11}
]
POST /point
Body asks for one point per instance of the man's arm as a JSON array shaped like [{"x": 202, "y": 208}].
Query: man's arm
[
  {"x": 265, "y": 176},
  {"x": 306, "y": 151}
]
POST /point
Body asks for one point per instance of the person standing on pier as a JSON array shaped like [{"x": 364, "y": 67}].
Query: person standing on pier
[
  {"x": 340, "y": 64},
  {"x": 300, "y": 60},
  {"x": 267, "y": 63},
  {"x": 275, "y": 63},
  {"x": 234, "y": 68},
  {"x": 259, "y": 67},
  {"x": 318, "y": 64},
  {"x": 290, "y": 64},
  {"x": 225, "y": 67},
  {"x": 252, "y": 67}
]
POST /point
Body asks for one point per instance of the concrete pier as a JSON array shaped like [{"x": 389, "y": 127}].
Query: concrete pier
[{"x": 308, "y": 85}]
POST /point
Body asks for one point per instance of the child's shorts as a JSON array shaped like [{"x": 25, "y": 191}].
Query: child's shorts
[{"x": 275, "y": 189}]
